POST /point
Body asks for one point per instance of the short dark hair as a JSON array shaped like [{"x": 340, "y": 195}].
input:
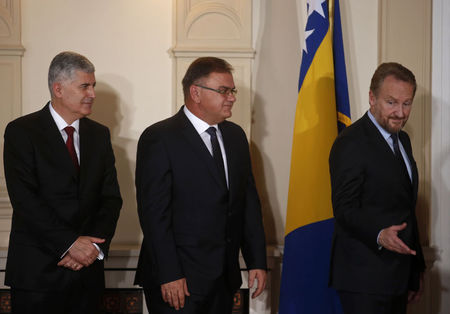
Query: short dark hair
[
  {"x": 202, "y": 67},
  {"x": 395, "y": 69},
  {"x": 64, "y": 65}
]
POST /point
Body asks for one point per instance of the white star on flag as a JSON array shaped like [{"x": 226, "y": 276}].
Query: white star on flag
[
  {"x": 307, "y": 34},
  {"x": 315, "y": 5}
]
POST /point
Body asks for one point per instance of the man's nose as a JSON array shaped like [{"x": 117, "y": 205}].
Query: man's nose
[
  {"x": 400, "y": 111},
  {"x": 231, "y": 97},
  {"x": 91, "y": 92}
]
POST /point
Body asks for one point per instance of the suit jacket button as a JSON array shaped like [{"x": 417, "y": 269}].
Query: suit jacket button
[
  {"x": 228, "y": 240},
  {"x": 230, "y": 213}
]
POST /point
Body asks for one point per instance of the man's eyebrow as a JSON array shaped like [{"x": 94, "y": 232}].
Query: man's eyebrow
[
  {"x": 87, "y": 84},
  {"x": 223, "y": 86}
]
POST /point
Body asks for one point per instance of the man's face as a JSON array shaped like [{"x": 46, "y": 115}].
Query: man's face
[
  {"x": 392, "y": 105},
  {"x": 213, "y": 107},
  {"x": 74, "y": 97}
]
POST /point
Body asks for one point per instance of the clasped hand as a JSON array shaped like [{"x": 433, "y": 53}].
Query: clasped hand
[{"x": 82, "y": 253}]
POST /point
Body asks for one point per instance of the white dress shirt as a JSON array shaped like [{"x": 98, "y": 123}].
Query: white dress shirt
[
  {"x": 201, "y": 127},
  {"x": 61, "y": 124}
]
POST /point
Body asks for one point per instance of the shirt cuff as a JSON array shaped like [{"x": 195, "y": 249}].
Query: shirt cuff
[
  {"x": 378, "y": 242},
  {"x": 66, "y": 251},
  {"x": 100, "y": 256}
]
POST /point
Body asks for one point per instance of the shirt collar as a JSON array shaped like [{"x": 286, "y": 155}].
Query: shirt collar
[
  {"x": 383, "y": 132},
  {"x": 199, "y": 125},
  {"x": 60, "y": 123}
]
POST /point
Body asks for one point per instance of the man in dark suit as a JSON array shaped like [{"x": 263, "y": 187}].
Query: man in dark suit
[
  {"x": 377, "y": 262},
  {"x": 62, "y": 183},
  {"x": 197, "y": 201}
]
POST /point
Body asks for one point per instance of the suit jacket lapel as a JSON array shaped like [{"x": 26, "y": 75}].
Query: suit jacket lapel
[
  {"x": 197, "y": 144},
  {"x": 230, "y": 153},
  {"x": 377, "y": 139},
  {"x": 383, "y": 147},
  {"x": 408, "y": 149},
  {"x": 86, "y": 149},
  {"x": 55, "y": 141}
]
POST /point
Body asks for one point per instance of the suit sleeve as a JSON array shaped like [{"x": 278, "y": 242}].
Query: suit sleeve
[
  {"x": 419, "y": 260},
  {"x": 110, "y": 200},
  {"x": 153, "y": 192},
  {"x": 29, "y": 206},
  {"x": 254, "y": 244},
  {"x": 347, "y": 172}
]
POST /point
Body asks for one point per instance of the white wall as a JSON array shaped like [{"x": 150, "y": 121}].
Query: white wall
[
  {"x": 128, "y": 42},
  {"x": 278, "y": 35}
]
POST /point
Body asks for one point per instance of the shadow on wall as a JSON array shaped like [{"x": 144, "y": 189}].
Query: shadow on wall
[
  {"x": 263, "y": 171},
  {"x": 275, "y": 84},
  {"x": 110, "y": 110}
]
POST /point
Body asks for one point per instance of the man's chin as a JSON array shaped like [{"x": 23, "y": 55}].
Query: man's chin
[
  {"x": 395, "y": 127},
  {"x": 227, "y": 114},
  {"x": 85, "y": 113}
]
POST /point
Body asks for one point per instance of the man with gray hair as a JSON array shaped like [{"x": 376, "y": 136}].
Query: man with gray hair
[{"x": 62, "y": 183}]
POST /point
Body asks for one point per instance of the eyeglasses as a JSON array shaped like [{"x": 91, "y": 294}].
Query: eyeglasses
[{"x": 222, "y": 90}]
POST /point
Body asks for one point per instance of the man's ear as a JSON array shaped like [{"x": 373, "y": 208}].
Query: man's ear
[
  {"x": 57, "y": 89},
  {"x": 194, "y": 91},
  {"x": 372, "y": 99}
]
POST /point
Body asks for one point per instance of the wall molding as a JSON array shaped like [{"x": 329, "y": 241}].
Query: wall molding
[
  {"x": 216, "y": 28},
  {"x": 213, "y": 24},
  {"x": 228, "y": 52},
  {"x": 10, "y": 28},
  {"x": 12, "y": 50}
]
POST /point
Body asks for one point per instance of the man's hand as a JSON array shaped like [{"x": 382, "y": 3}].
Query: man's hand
[
  {"x": 414, "y": 296},
  {"x": 83, "y": 251},
  {"x": 69, "y": 262},
  {"x": 174, "y": 293},
  {"x": 389, "y": 240},
  {"x": 260, "y": 275}
]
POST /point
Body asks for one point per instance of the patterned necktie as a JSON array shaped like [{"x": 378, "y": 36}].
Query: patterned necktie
[
  {"x": 71, "y": 147},
  {"x": 217, "y": 153}
]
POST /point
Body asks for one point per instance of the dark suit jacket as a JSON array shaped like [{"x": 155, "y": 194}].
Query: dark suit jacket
[
  {"x": 52, "y": 204},
  {"x": 371, "y": 191},
  {"x": 193, "y": 226}
]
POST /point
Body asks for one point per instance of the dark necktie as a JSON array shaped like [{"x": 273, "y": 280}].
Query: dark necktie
[
  {"x": 71, "y": 147},
  {"x": 398, "y": 153},
  {"x": 217, "y": 153}
]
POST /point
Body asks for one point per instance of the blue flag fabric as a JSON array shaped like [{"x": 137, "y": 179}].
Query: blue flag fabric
[{"x": 322, "y": 109}]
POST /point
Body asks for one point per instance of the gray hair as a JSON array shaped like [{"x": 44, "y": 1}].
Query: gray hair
[{"x": 64, "y": 65}]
